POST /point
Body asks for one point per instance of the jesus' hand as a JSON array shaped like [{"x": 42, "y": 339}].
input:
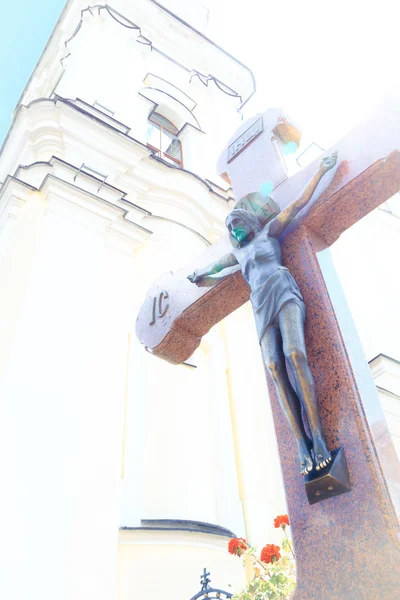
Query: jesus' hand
[
  {"x": 194, "y": 277},
  {"x": 328, "y": 162}
]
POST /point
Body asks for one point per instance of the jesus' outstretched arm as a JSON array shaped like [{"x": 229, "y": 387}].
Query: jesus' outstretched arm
[
  {"x": 224, "y": 262},
  {"x": 287, "y": 215}
]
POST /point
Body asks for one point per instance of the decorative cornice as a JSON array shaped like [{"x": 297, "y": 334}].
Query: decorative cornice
[
  {"x": 142, "y": 93},
  {"x": 154, "y": 79},
  {"x": 196, "y": 233},
  {"x": 141, "y": 39},
  {"x": 13, "y": 194},
  {"x": 211, "y": 77},
  {"x": 204, "y": 181},
  {"x": 74, "y": 194},
  {"x": 221, "y": 86},
  {"x": 128, "y": 24},
  {"x": 150, "y": 153},
  {"x": 96, "y": 113},
  {"x": 385, "y": 357},
  {"x": 185, "y": 129},
  {"x": 118, "y": 194},
  {"x": 137, "y": 174},
  {"x": 186, "y": 525},
  {"x": 114, "y": 192},
  {"x": 179, "y": 537}
]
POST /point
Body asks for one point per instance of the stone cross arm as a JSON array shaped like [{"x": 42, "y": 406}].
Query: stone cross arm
[{"x": 176, "y": 313}]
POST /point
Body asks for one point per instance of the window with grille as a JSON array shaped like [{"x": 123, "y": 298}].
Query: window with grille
[{"x": 162, "y": 137}]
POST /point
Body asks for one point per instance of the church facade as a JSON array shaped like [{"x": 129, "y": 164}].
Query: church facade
[{"x": 125, "y": 475}]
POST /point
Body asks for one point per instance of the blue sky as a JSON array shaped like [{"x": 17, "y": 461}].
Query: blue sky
[{"x": 25, "y": 27}]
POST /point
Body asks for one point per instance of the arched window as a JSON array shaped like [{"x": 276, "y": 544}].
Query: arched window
[{"x": 162, "y": 137}]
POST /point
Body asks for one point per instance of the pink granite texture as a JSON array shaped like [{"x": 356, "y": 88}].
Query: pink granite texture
[{"x": 348, "y": 546}]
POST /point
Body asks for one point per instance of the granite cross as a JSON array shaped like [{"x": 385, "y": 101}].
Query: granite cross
[{"x": 348, "y": 546}]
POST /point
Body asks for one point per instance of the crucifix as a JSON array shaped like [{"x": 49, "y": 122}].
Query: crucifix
[
  {"x": 279, "y": 311},
  {"x": 177, "y": 313}
]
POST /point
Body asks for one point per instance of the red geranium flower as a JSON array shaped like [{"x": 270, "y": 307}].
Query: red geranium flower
[
  {"x": 270, "y": 553},
  {"x": 237, "y": 546},
  {"x": 281, "y": 521}
]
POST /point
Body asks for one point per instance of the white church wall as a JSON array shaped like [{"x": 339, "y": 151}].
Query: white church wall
[
  {"x": 179, "y": 460},
  {"x": 100, "y": 434},
  {"x": 391, "y": 407},
  {"x": 106, "y": 65},
  {"x": 229, "y": 505},
  {"x": 164, "y": 564},
  {"x": 259, "y": 472},
  {"x": 184, "y": 412},
  {"x": 376, "y": 421},
  {"x": 192, "y": 12},
  {"x": 386, "y": 374},
  {"x": 63, "y": 385},
  {"x": 366, "y": 260}
]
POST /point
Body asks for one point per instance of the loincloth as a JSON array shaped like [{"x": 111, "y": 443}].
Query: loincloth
[{"x": 269, "y": 297}]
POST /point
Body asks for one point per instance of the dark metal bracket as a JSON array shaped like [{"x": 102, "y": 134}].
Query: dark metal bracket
[{"x": 331, "y": 481}]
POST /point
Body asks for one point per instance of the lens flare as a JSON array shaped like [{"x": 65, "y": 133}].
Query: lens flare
[
  {"x": 266, "y": 188},
  {"x": 290, "y": 148}
]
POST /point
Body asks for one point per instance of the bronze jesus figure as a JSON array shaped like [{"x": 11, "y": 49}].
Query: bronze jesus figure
[{"x": 280, "y": 314}]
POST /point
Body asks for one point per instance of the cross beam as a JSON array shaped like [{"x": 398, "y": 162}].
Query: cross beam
[{"x": 176, "y": 314}]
